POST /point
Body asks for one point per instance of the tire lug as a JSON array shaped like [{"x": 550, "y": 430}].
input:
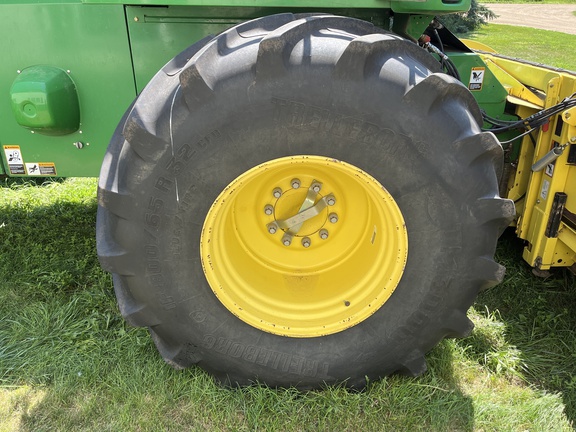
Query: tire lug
[
  {"x": 323, "y": 234},
  {"x": 277, "y": 193},
  {"x": 295, "y": 183},
  {"x": 333, "y": 217},
  {"x": 268, "y": 209},
  {"x": 306, "y": 242}
]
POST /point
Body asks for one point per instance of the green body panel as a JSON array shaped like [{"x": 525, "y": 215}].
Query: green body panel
[
  {"x": 158, "y": 34},
  {"x": 45, "y": 100},
  {"x": 481, "y": 82},
  {"x": 431, "y": 7},
  {"x": 111, "y": 50},
  {"x": 89, "y": 41}
]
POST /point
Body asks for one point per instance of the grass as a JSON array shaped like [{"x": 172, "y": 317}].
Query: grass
[
  {"x": 69, "y": 362},
  {"x": 547, "y": 47}
]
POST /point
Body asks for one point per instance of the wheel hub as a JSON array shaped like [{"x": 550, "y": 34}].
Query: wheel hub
[
  {"x": 304, "y": 246},
  {"x": 309, "y": 218}
]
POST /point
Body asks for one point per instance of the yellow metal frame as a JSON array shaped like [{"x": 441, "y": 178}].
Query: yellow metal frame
[
  {"x": 304, "y": 246},
  {"x": 531, "y": 88}
]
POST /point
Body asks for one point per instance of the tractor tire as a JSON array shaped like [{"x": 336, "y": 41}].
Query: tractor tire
[{"x": 301, "y": 200}]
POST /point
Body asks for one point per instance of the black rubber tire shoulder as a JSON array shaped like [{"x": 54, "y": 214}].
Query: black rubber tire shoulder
[{"x": 300, "y": 85}]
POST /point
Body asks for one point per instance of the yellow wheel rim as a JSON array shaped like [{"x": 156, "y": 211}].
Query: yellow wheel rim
[{"x": 304, "y": 246}]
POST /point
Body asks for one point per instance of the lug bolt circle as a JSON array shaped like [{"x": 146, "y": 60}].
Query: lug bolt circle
[
  {"x": 268, "y": 209},
  {"x": 333, "y": 217},
  {"x": 295, "y": 183},
  {"x": 277, "y": 193},
  {"x": 323, "y": 234},
  {"x": 306, "y": 242}
]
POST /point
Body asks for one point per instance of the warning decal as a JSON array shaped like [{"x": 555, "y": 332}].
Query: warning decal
[
  {"x": 14, "y": 160},
  {"x": 41, "y": 168},
  {"x": 477, "y": 78},
  {"x": 16, "y": 164}
]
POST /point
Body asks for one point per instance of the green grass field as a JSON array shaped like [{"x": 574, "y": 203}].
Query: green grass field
[
  {"x": 69, "y": 362},
  {"x": 541, "y": 46}
]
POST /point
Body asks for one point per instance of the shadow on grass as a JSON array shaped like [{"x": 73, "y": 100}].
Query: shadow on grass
[
  {"x": 69, "y": 362},
  {"x": 539, "y": 316},
  {"x": 6, "y": 181},
  {"x": 66, "y": 348},
  {"x": 441, "y": 375},
  {"x": 147, "y": 395}
]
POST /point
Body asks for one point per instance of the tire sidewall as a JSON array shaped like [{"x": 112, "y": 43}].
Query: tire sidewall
[{"x": 235, "y": 132}]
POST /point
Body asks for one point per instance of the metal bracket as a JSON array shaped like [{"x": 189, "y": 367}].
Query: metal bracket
[{"x": 294, "y": 223}]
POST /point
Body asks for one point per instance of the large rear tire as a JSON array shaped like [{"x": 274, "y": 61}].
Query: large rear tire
[{"x": 202, "y": 185}]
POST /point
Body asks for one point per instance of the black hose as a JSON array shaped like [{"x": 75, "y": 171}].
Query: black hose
[{"x": 536, "y": 120}]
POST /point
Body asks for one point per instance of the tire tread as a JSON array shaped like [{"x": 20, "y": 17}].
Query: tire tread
[{"x": 269, "y": 43}]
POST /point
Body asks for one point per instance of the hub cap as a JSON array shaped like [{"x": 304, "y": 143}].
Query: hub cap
[{"x": 304, "y": 246}]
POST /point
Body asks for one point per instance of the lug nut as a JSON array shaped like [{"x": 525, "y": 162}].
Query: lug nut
[
  {"x": 295, "y": 183},
  {"x": 316, "y": 187},
  {"x": 277, "y": 193},
  {"x": 286, "y": 240},
  {"x": 306, "y": 242},
  {"x": 268, "y": 209},
  {"x": 272, "y": 228},
  {"x": 333, "y": 217},
  {"x": 331, "y": 200},
  {"x": 323, "y": 234}
]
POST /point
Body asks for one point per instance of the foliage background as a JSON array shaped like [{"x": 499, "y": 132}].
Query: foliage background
[{"x": 477, "y": 16}]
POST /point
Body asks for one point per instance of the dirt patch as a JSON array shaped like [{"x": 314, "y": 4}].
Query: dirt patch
[{"x": 557, "y": 17}]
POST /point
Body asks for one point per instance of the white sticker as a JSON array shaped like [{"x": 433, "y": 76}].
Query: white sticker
[
  {"x": 32, "y": 169},
  {"x": 40, "y": 169},
  {"x": 14, "y": 159},
  {"x": 545, "y": 189},
  {"x": 477, "y": 78}
]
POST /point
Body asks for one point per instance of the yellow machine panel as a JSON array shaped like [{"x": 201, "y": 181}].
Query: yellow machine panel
[{"x": 543, "y": 173}]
